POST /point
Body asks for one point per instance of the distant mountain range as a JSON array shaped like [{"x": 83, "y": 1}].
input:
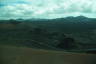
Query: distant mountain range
[
  {"x": 67, "y": 23},
  {"x": 69, "y": 19},
  {"x": 78, "y": 18}
]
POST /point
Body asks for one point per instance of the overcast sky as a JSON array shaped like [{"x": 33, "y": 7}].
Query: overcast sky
[{"x": 46, "y": 8}]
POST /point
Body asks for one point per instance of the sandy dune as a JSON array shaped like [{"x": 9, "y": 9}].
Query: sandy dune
[{"x": 23, "y": 55}]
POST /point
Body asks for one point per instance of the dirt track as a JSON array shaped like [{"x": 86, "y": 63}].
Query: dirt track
[{"x": 23, "y": 55}]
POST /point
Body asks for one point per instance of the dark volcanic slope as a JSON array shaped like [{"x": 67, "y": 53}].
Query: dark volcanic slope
[{"x": 48, "y": 31}]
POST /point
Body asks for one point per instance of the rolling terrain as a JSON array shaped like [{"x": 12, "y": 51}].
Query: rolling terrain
[
  {"x": 47, "y": 33},
  {"x": 35, "y": 41}
]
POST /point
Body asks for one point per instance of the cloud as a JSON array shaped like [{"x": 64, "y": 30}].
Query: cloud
[{"x": 46, "y": 8}]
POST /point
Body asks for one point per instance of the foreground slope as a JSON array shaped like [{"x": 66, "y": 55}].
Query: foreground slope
[{"x": 23, "y": 55}]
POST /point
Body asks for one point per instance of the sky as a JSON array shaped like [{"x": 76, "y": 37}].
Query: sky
[{"x": 14, "y": 9}]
